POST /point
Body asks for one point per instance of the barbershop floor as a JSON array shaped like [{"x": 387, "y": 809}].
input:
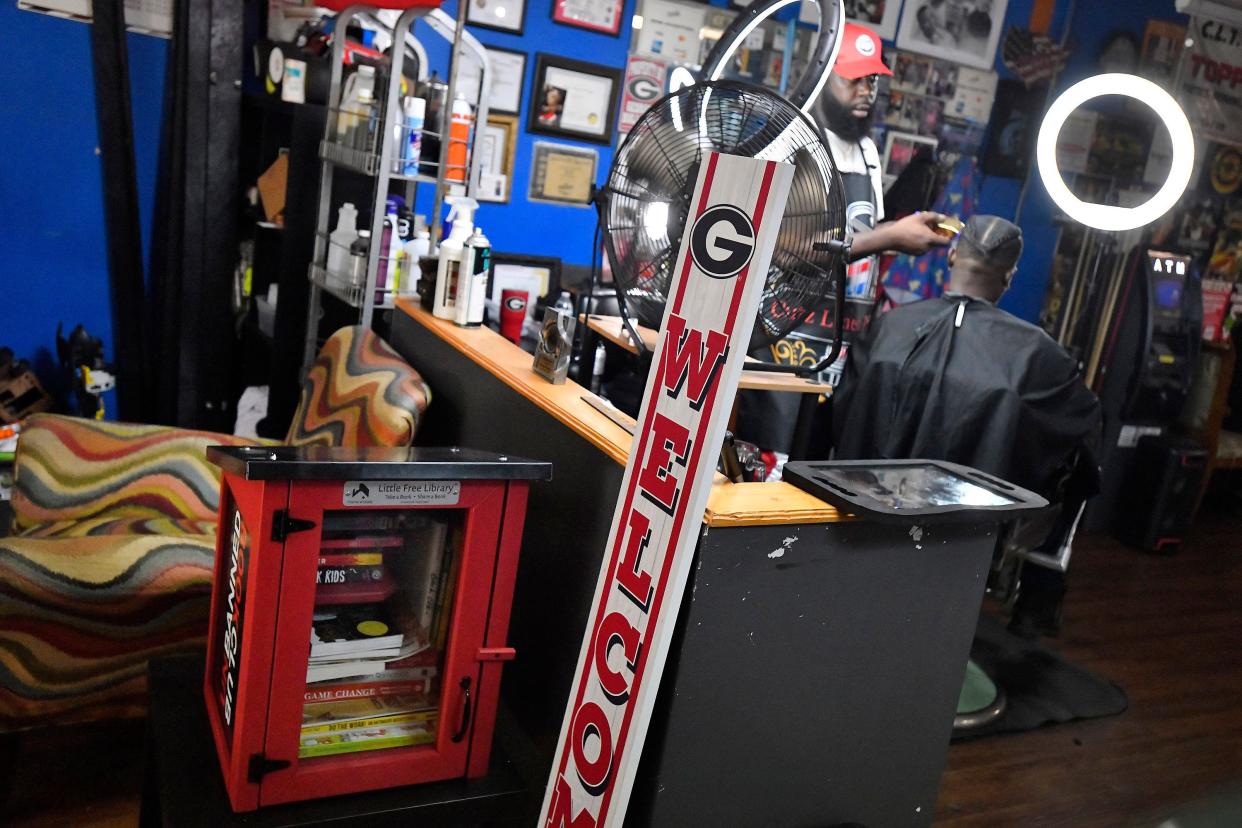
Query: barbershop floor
[{"x": 1168, "y": 629}]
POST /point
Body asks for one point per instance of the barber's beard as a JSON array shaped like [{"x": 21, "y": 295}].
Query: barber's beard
[{"x": 841, "y": 119}]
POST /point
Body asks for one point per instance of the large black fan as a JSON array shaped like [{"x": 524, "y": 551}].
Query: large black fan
[{"x": 646, "y": 201}]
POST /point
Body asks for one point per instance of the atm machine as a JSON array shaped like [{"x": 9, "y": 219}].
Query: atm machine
[{"x": 1150, "y": 474}]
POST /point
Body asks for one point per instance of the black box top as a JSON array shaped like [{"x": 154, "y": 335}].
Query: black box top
[
  {"x": 913, "y": 491},
  {"x": 415, "y": 463}
]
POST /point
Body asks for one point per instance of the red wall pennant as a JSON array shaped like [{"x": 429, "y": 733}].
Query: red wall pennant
[{"x": 725, "y": 253}]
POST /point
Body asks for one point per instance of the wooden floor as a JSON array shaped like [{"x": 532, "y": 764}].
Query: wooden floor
[{"x": 1168, "y": 629}]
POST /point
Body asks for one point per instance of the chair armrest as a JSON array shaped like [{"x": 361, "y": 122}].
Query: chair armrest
[{"x": 68, "y": 468}]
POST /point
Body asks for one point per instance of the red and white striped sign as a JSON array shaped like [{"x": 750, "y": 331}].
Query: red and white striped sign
[{"x": 725, "y": 253}]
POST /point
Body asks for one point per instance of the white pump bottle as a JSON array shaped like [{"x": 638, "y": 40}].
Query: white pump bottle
[{"x": 448, "y": 270}]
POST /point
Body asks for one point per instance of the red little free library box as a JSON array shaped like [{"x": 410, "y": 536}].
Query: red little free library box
[{"x": 360, "y": 609}]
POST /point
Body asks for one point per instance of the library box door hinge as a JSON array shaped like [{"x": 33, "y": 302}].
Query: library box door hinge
[
  {"x": 261, "y": 766},
  {"x": 283, "y": 526}
]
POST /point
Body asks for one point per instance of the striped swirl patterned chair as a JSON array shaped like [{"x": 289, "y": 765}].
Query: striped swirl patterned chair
[{"x": 110, "y": 558}]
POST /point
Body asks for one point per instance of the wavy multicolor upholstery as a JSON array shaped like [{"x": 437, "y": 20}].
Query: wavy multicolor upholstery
[
  {"x": 359, "y": 393},
  {"x": 114, "y": 524},
  {"x": 70, "y": 469},
  {"x": 79, "y": 619}
]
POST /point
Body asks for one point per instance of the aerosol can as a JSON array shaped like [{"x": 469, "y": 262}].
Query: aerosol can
[{"x": 476, "y": 261}]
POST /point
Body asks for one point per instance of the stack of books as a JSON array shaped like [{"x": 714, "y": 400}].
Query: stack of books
[
  {"x": 375, "y": 722},
  {"x": 383, "y": 602}
]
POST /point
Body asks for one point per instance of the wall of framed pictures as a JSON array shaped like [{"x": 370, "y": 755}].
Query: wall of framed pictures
[{"x": 934, "y": 97}]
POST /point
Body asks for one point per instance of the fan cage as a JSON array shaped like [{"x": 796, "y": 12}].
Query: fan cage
[{"x": 646, "y": 201}]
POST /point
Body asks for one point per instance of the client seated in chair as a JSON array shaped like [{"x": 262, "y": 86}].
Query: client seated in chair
[
  {"x": 956, "y": 378},
  {"x": 110, "y": 560}
]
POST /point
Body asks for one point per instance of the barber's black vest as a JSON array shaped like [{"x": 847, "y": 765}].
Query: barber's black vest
[{"x": 768, "y": 418}]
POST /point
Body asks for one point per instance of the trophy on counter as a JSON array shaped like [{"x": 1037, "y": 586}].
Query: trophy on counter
[{"x": 556, "y": 344}]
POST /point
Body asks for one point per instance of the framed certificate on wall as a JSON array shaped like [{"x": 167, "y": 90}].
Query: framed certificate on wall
[
  {"x": 595, "y": 15},
  {"x": 562, "y": 174},
  {"x": 501, "y": 15},
  {"x": 574, "y": 99}
]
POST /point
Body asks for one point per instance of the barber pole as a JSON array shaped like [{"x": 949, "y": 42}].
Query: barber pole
[{"x": 721, "y": 267}]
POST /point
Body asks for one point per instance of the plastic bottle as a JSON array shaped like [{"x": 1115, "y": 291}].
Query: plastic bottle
[
  {"x": 355, "y": 116},
  {"x": 340, "y": 239},
  {"x": 415, "y": 249},
  {"x": 385, "y": 270},
  {"x": 565, "y": 303},
  {"x": 476, "y": 263},
  {"x": 459, "y": 140},
  {"x": 345, "y": 109},
  {"x": 461, "y": 213},
  {"x": 358, "y": 252},
  {"x": 411, "y": 135},
  {"x": 597, "y": 371}
]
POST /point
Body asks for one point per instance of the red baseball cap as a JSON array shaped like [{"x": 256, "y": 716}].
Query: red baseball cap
[{"x": 860, "y": 53}]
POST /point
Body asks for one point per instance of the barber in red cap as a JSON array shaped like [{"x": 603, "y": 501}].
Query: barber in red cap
[{"x": 846, "y": 111}]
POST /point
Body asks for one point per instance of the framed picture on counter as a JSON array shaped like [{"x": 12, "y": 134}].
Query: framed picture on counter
[
  {"x": 594, "y": 15},
  {"x": 501, "y": 15},
  {"x": 561, "y": 174},
  {"x": 574, "y": 99},
  {"x": 497, "y": 147}
]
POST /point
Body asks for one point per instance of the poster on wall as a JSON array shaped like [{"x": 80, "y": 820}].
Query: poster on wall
[
  {"x": 1210, "y": 65},
  {"x": 644, "y": 85},
  {"x": 965, "y": 31},
  {"x": 880, "y": 16},
  {"x": 670, "y": 31}
]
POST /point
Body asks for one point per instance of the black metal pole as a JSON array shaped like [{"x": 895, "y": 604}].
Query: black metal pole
[{"x": 120, "y": 202}]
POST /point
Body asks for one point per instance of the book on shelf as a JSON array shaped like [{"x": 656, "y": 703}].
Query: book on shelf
[
  {"x": 351, "y": 714},
  {"x": 346, "y": 559},
  {"x": 370, "y": 738},
  {"x": 353, "y": 630},
  {"x": 421, "y": 572},
  {"x": 351, "y": 521},
  {"x": 412, "y": 717},
  {"x": 357, "y": 592},
  {"x": 366, "y": 664},
  {"x": 348, "y": 574},
  {"x": 388, "y": 683},
  {"x": 363, "y": 543}
]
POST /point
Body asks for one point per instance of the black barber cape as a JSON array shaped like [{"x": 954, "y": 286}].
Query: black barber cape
[{"x": 994, "y": 392}]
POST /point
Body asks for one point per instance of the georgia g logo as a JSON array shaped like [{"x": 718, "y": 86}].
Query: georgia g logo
[{"x": 722, "y": 241}]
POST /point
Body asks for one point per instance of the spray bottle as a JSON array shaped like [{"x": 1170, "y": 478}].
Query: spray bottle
[
  {"x": 448, "y": 269},
  {"x": 476, "y": 261}
]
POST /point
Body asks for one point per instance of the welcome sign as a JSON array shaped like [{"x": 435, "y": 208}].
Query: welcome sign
[{"x": 721, "y": 267}]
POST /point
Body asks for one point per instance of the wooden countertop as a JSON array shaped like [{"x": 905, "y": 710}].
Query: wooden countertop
[
  {"x": 730, "y": 504},
  {"x": 610, "y": 328}
]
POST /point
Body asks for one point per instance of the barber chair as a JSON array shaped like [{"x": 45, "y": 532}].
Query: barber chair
[{"x": 1027, "y": 579}]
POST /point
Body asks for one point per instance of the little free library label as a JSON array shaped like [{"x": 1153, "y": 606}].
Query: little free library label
[{"x": 402, "y": 492}]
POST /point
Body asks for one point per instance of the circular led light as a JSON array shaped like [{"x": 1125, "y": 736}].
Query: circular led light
[{"x": 1103, "y": 216}]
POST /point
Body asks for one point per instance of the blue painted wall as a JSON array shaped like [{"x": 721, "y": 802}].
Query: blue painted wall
[
  {"x": 1092, "y": 24},
  {"x": 522, "y": 226},
  {"x": 55, "y": 266}
]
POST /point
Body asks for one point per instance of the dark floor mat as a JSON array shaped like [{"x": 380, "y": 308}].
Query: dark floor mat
[{"x": 1040, "y": 686}]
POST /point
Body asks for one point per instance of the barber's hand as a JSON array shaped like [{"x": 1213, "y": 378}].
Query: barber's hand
[{"x": 916, "y": 234}]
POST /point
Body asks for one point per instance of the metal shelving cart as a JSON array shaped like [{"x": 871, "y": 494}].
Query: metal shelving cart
[{"x": 375, "y": 158}]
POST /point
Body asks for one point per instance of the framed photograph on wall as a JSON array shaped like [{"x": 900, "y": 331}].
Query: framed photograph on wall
[
  {"x": 878, "y": 15},
  {"x": 574, "y": 99},
  {"x": 497, "y": 147},
  {"x": 958, "y": 30},
  {"x": 594, "y": 15},
  {"x": 501, "y": 15},
  {"x": 561, "y": 174},
  {"x": 900, "y": 148}
]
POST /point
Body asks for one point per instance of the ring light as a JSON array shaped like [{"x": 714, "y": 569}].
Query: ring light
[
  {"x": 824, "y": 53},
  {"x": 1102, "y": 216}
]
